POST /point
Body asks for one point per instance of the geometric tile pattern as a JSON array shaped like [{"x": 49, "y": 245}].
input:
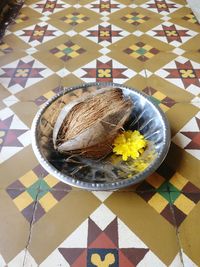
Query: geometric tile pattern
[
  {"x": 105, "y": 6},
  {"x": 22, "y": 73},
  {"x": 190, "y": 18},
  {"x": 162, "y": 194},
  {"x": 104, "y": 70},
  {"x": 14, "y": 134},
  {"x": 74, "y": 18},
  {"x": 170, "y": 33},
  {"x": 33, "y": 187},
  {"x": 67, "y": 51},
  {"x": 39, "y": 33},
  {"x": 5, "y": 49},
  {"x": 188, "y": 137},
  {"x": 141, "y": 51},
  {"x": 182, "y": 72},
  {"x": 163, "y": 7},
  {"x": 151, "y": 45},
  {"x": 135, "y": 18},
  {"x": 121, "y": 247},
  {"x": 49, "y": 7},
  {"x": 164, "y": 102},
  {"x": 104, "y": 33}
]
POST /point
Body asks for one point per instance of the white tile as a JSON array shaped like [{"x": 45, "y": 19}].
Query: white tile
[
  {"x": 102, "y": 216},
  {"x": 10, "y": 100},
  {"x": 102, "y": 195},
  {"x": 138, "y": 33},
  {"x": 78, "y": 238},
  {"x": 128, "y": 239},
  {"x": 104, "y": 51},
  {"x": 71, "y": 33}
]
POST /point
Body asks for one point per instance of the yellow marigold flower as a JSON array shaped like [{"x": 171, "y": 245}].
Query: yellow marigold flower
[{"x": 129, "y": 144}]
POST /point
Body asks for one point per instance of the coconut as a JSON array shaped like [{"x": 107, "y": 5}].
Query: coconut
[{"x": 89, "y": 125}]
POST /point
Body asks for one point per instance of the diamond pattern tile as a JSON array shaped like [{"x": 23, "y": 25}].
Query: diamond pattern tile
[{"x": 149, "y": 45}]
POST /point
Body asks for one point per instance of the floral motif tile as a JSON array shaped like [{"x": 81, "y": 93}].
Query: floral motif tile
[
  {"x": 20, "y": 74},
  {"x": 104, "y": 34},
  {"x": 163, "y": 7},
  {"x": 110, "y": 244},
  {"x": 182, "y": 72},
  {"x": 49, "y": 7},
  {"x": 38, "y": 34},
  {"x": 104, "y": 69},
  {"x": 170, "y": 33},
  {"x": 105, "y": 7}
]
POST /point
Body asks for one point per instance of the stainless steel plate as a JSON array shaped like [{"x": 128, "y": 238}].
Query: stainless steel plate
[{"x": 98, "y": 175}]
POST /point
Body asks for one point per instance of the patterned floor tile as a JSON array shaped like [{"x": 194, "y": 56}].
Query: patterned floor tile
[
  {"x": 49, "y": 7},
  {"x": 36, "y": 186},
  {"x": 105, "y": 7},
  {"x": 135, "y": 20},
  {"x": 24, "y": 72},
  {"x": 71, "y": 53},
  {"x": 182, "y": 72},
  {"x": 104, "y": 69},
  {"x": 11, "y": 221},
  {"x": 163, "y": 7},
  {"x": 38, "y": 34},
  {"x": 114, "y": 244},
  {"x": 58, "y": 218},
  {"x": 188, "y": 234},
  {"x": 124, "y": 205},
  {"x": 188, "y": 137},
  {"x": 167, "y": 192},
  {"x": 77, "y": 18},
  {"x": 166, "y": 88},
  {"x": 104, "y": 34},
  {"x": 26, "y": 17},
  {"x": 172, "y": 34},
  {"x": 14, "y": 134}
]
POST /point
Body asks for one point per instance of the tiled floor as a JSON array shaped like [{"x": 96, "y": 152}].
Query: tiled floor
[{"x": 152, "y": 45}]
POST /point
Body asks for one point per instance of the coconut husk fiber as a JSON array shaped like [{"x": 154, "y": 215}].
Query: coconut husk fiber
[{"x": 89, "y": 125}]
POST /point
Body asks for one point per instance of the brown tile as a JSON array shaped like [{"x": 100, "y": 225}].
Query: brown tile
[
  {"x": 189, "y": 235},
  {"x": 133, "y": 211},
  {"x": 59, "y": 225},
  {"x": 62, "y": 20},
  {"x": 16, "y": 229},
  {"x": 21, "y": 163},
  {"x": 39, "y": 89}
]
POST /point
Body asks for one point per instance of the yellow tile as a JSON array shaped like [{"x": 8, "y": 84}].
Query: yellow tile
[
  {"x": 147, "y": 47},
  {"x": 134, "y": 54},
  {"x": 178, "y": 181},
  {"x": 155, "y": 180},
  {"x": 59, "y": 54},
  {"x": 158, "y": 202},
  {"x": 73, "y": 54},
  {"x": 134, "y": 47},
  {"x": 159, "y": 95},
  {"x": 49, "y": 94},
  {"x": 28, "y": 179},
  {"x": 75, "y": 47},
  {"x": 149, "y": 55},
  {"x": 23, "y": 200},
  {"x": 48, "y": 201},
  {"x": 163, "y": 107},
  {"x": 184, "y": 204},
  {"x": 50, "y": 180},
  {"x": 61, "y": 46}
]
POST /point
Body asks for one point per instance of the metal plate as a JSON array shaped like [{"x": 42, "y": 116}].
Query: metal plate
[{"x": 147, "y": 118}]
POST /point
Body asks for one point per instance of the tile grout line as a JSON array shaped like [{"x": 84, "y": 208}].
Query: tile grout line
[
  {"x": 176, "y": 228},
  {"x": 31, "y": 226}
]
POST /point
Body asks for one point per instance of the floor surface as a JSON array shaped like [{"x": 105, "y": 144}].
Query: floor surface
[{"x": 152, "y": 45}]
